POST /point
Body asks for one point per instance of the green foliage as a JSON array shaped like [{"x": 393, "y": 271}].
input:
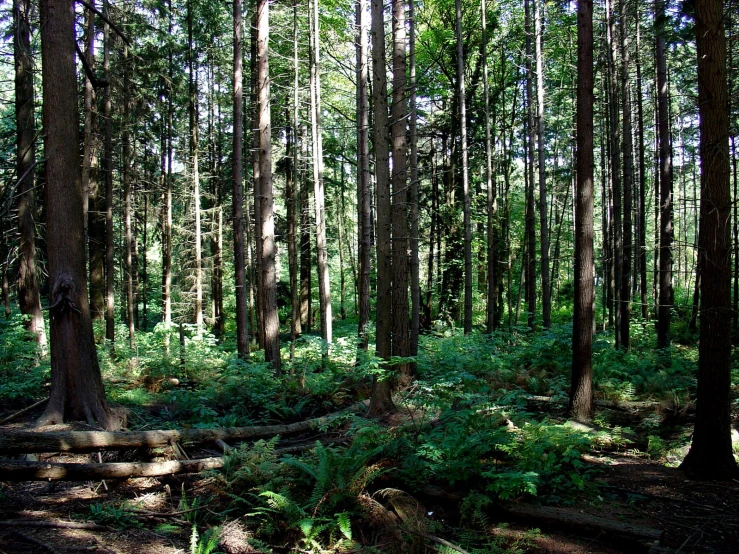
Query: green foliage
[
  {"x": 22, "y": 372},
  {"x": 207, "y": 543},
  {"x": 115, "y": 516}
]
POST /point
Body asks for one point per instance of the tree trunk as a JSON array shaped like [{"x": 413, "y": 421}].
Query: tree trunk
[
  {"x": 127, "y": 216},
  {"x": 324, "y": 285},
  {"x": 258, "y": 238},
  {"x": 242, "y": 319},
  {"x": 413, "y": 136},
  {"x": 29, "y": 297},
  {"x": 642, "y": 214},
  {"x": 167, "y": 204},
  {"x": 269, "y": 277},
  {"x": 306, "y": 281},
  {"x": 465, "y": 174},
  {"x": 489, "y": 181},
  {"x": 627, "y": 182},
  {"x": 399, "y": 197},
  {"x": 546, "y": 292},
  {"x": 710, "y": 455},
  {"x": 195, "y": 168},
  {"x": 109, "y": 251},
  {"x": 76, "y": 385},
  {"x": 294, "y": 217},
  {"x": 381, "y": 400},
  {"x": 666, "y": 294},
  {"x": 581, "y": 390},
  {"x": 363, "y": 175}
]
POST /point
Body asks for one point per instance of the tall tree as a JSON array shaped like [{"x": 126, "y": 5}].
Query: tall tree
[
  {"x": 400, "y": 230},
  {"x": 242, "y": 320},
  {"x": 465, "y": 172},
  {"x": 546, "y": 293},
  {"x": 666, "y": 292},
  {"x": 413, "y": 137},
  {"x": 491, "y": 196},
  {"x": 581, "y": 388},
  {"x": 363, "y": 174},
  {"x": 108, "y": 169},
  {"x": 127, "y": 195},
  {"x": 324, "y": 285},
  {"x": 76, "y": 385},
  {"x": 627, "y": 180},
  {"x": 529, "y": 177},
  {"x": 29, "y": 297},
  {"x": 381, "y": 399},
  {"x": 710, "y": 455},
  {"x": 269, "y": 277}
]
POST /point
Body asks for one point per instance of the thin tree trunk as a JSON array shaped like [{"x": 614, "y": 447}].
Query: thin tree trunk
[
  {"x": 258, "y": 237},
  {"x": 127, "y": 193},
  {"x": 489, "y": 181},
  {"x": 294, "y": 218},
  {"x": 363, "y": 174},
  {"x": 242, "y": 314},
  {"x": 194, "y": 156},
  {"x": 324, "y": 286},
  {"x": 546, "y": 292},
  {"x": 665, "y": 159},
  {"x": 414, "y": 236},
  {"x": 167, "y": 207},
  {"x": 109, "y": 252},
  {"x": 581, "y": 391},
  {"x": 530, "y": 163},
  {"x": 306, "y": 281},
  {"x": 269, "y": 277},
  {"x": 29, "y": 297},
  {"x": 627, "y": 182},
  {"x": 642, "y": 215}
]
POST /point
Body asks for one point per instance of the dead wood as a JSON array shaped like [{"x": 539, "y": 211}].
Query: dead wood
[
  {"x": 21, "y": 442},
  {"x": 617, "y": 405},
  {"x": 54, "y": 524},
  {"x": 25, "y": 410},
  {"x": 42, "y": 471},
  {"x": 44, "y": 546}
]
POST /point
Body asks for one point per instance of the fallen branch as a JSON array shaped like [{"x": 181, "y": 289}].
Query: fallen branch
[
  {"x": 43, "y": 471},
  {"x": 21, "y": 442},
  {"x": 25, "y": 410},
  {"x": 618, "y": 405},
  {"x": 44, "y": 546},
  {"x": 54, "y": 524}
]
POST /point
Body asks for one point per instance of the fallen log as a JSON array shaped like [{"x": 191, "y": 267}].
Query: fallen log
[
  {"x": 46, "y": 471},
  {"x": 54, "y": 524},
  {"x": 617, "y": 405},
  {"x": 25, "y": 441}
]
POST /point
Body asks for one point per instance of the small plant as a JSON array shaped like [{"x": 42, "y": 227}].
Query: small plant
[
  {"x": 205, "y": 544},
  {"x": 115, "y": 516}
]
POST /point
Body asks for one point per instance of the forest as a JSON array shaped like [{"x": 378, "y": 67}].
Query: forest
[{"x": 326, "y": 276}]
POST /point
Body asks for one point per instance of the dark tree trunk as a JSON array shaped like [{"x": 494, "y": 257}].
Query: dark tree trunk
[
  {"x": 108, "y": 163},
  {"x": 381, "y": 400},
  {"x": 665, "y": 179},
  {"x": 710, "y": 455},
  {"x": 642, "y": 214},
  {"x": 581, "y": 391},
  {"x": 76, "y": 386},
  {"x": 627, "y": 182},
  {"x": 195, "y": 167},
  {"x": 127, "y": 216},
  {"x": 29, "y": 298},
  {"x": 363, "y": 174},
  {"x": 242, "y": 315},
  {"x": 306, "y": 281},
  {"x": 413, "y": 136}
]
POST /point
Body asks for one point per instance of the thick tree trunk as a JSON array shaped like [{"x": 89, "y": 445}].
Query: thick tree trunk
[
  {"x": 324, "y": 285},
  {"x": 269, "y": 276},
  {"x": 363, "y": 175},
  {"x": 399, "y": 177},
  {"x": 465, "y": 174},
  {"x": 237, "y": 210},
  {"x": 108, "y": 168},
  {"x": 581, "y": 389},
  {"x": 76, "y": 385},
  {"x": 665, "y": 180},
  {"x": 381, "y": 400},
  {"x": 710, "y": 455},
  {"x": 29, "y": 297},
  {"x": 546, "y": 288}
]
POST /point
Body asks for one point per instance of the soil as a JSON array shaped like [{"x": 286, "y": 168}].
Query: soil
[{"x": 694, "y": 516}]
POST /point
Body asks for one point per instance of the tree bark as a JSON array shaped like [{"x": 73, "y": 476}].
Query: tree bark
[
  {"x": 414, "y": 236},
  {"x": 363, "y": 175},
  {"x": 490, "y": 184},
  {"x": 710, "y": 456},
  {"x": 127, "y": 216},
  {"x": 76, "y": 385},
  {"x": 324, "y": 286},
  {"x": 627, "y": 182},
  {"x": 29, "y": 297},
  {"x": 108, "y": 163},
  {"x": 581, "y": 389},
  {"x": 269, "y": 277},
  {"x": 381, "y": 400},
  {"x": 306, "y": 281},
  {"x": 195, "y": 167},
  {"x": 242, "y": 319},
  {"x": 666, "y": 294},
  {"x": 642, "y": 213},
  {"x": 546, "y": 292},
  {"x": 399, "y": 198},
  {"x": 465, "y": 173}
]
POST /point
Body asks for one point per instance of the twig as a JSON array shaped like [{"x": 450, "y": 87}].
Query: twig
[
  {"x": 108, "y": 21},
  {"x": 24, "y": 411},
  {"x": 163, "y": 514}
]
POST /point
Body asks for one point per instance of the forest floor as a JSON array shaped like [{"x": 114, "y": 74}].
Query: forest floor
[
  {"x": 149, "y": 519},
  {"x": 479, "y": 457}
]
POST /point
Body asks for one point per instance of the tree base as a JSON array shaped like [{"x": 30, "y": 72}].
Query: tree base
[{"x": 702, "y": 467}]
